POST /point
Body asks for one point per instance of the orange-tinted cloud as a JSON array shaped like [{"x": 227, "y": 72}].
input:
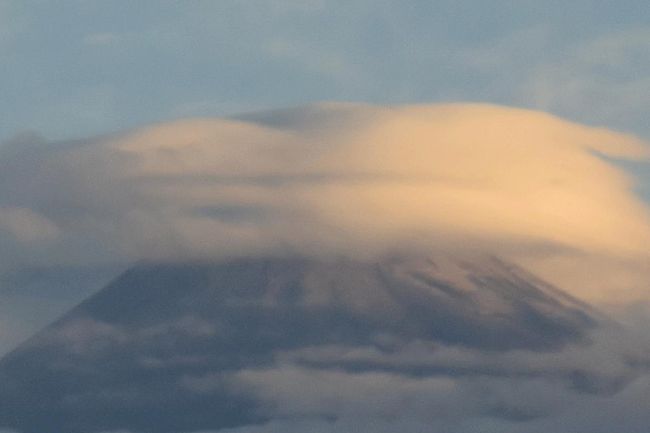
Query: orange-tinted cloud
[{"x": 361, "y": 180}]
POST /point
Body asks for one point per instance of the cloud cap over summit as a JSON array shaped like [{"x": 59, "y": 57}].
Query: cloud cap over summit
[{"x": 339, "y": 179}]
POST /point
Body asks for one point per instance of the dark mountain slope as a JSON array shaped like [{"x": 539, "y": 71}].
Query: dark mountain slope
[{"x": 122, "y": 359}]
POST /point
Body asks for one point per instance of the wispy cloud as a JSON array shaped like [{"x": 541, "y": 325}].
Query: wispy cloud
[
  {"x": 101, "y": 39},
  {"x": 601, "y": 80}
]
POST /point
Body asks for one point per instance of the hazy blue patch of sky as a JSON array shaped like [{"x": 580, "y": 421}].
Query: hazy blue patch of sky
[{"x": 81, "y": 67}]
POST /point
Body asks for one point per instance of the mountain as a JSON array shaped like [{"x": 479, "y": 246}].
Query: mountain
[{"x": 160, "y": 348}]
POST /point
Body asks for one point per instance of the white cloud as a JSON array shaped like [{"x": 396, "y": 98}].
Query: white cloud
[
  {"x": 101, "y": 39},
  {"x": 348, "y": 179},
  {"x": 603, "y": 80},
  {"x": 26, "y": 226},
  {"x": 11, "y": 21},
  {"x": 315, "y": 59}
]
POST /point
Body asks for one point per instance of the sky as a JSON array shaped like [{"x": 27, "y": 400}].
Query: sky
[
  {"x": 164, "y": 130},
  {"x": 79, "y": 68}
]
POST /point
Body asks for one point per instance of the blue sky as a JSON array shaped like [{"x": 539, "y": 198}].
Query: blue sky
[{"x": 83, "y": 67}]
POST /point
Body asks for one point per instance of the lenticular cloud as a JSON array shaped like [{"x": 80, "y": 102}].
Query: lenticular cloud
[{"x": 341, "y": 180}]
